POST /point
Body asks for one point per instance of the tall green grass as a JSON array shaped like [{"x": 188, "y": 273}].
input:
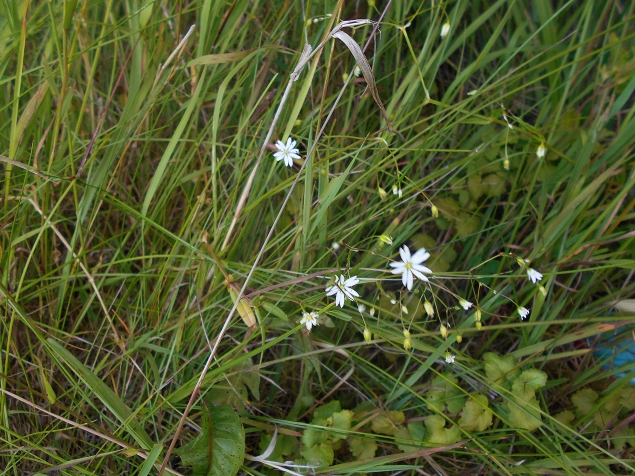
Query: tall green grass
[{"x": 129, "y": 202}]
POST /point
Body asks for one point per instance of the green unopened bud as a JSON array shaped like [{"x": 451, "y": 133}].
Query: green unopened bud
[
  {"x": 427, "y": 305},
  {"x": 407, "y": 344},
  {"x": 479, "y": 326},
  {"x": 459, "y": 338},
  {"x": 477, "y": 315},
  {"x": 506, "y": 164},
  {"x": 345, "y": 77},
  {"x": 371, "y": 3},
  {"x": 367, "y": 335},
  {"x": 298, "y": 122},
  {"x": 404, "y": 309},
  {"x": 435, "y": 211},
  {"x": 542, "y": 290},
  {"x": 520, "y": 261},
  {"x": 444, "y": 331},
  {"x": 372, "y": 311},
  {"x": 382, "y": 193},
  {"x": 406, "y": 333},
  {"x": 385, "y": 239}
]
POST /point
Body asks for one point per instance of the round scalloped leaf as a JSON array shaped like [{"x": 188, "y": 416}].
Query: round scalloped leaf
[{"x": 223, "y": 427}]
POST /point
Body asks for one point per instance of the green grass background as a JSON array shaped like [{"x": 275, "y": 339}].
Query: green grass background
[{"x": 124, "y": 162}]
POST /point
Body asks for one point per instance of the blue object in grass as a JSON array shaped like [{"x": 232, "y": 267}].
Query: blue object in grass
[{"x": 618, "y": 355}]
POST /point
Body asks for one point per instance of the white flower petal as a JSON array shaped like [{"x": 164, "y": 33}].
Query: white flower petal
[
  {"x": 351, "y": 281},
  {"x": 419, "y": 275},
  {"x": 332, "y": 290},
  {"x": 396, "y": 264},
  {"x": 404, "y": 252},
  {"x": 420, "y": 256},
  {"x": 398, "y": 270},
  {"x": 410, "y": 280},
  {"x": 421, "y": 268}
]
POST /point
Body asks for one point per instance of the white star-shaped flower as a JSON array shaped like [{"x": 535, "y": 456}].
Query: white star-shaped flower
[
  {"x": 523, "y": 311},
  {"x": 286, "y": 152},
  {"x": 343, "y": 288},
  {"x": 309, "y": 319},
  {"x": 411, "y": 266},
  {"x": 449, "y": 358},
  {"x": 533, "y": 275},
  {"x": 465, "y": 304}
]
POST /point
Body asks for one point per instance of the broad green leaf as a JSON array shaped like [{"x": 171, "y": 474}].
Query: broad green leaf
[
  {"x": 341, "y": 421},
  {"x": 286, "y": 445},
  {"x": 326, "y": 411},
  {"x": 321, "y": 454},
  {"x": 566, "y": 417},
  {"x": 500, "y": 369},
  {"x": 584, "y": 401},
  {"x": 525, "y": 415},
  {"x": 415, "y": 432},
  {"x": 627, "y": 395},
  {"x": 223, "y": 434},
  {"x": 387, "y": 424},
  {"x": 438, "y": 434},
  {"x": 315, "y": 436},
  {"x": 622, "y": 436},
  {"x": 362, "y": 449},
  {"x": 523, "y": 392},
  {"x": 444, "y": 391},
  {"x": 534, "y": 378},
  {"x": 476, "y": 415}
]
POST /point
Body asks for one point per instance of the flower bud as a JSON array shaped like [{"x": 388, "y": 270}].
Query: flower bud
[
  {"x": 345, "y": 77},
  {"x": 385, "y": 239},
  {"x": 357, "y": 71},
  {"x": 404, "y": 309},
  {"x": 382, "y": 192},
  {"x": 407, "y": 344},
  {"x": 427, "y": 305},
  {"x": 520, "y": 261},
  {"x": 395, "y": 190},
  {"x": 367, "y": 336},
  {"x": 479, "y": 326},
  {"x": 372, "y": 311},
  {"x": 445, "y": 29},
  {"x": 444, "y": 331},
  {"x": 435, "y": 211},
  {"x": 542, "y": 290},
  {"x": 541, "y": 150},
  {"x": 477, "y": 315},
  {"x": 361, "y": 308},
  {"x": 459, "y": 338},
  {"x": 406, "y": 333},
  {"x": 506, "y": 164}
]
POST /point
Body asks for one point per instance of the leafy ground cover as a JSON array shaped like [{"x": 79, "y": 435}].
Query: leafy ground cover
[{"x": 164, "y": 278}]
